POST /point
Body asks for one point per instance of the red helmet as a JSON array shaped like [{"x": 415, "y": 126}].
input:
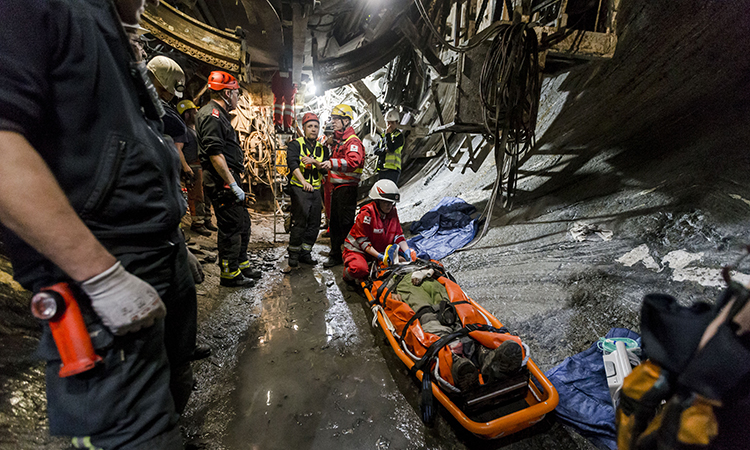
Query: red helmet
[
  {"x": 309, "y": 117},
  {"x": 219, "y": 80}
]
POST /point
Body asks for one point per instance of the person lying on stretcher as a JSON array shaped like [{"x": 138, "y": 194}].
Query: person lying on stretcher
[
  {"x": 437, "y": 315},
  {"x": 376, "y": 227}
]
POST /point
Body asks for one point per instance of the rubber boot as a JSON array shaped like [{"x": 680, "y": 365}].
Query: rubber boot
[
  {"x": 248, "y": 271},
  {"x": 293, "y": 259},
  {"x": 307, "y": 258}
]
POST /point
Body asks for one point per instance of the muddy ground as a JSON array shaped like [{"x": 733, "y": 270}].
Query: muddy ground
[{"x": 650, "y": 146}]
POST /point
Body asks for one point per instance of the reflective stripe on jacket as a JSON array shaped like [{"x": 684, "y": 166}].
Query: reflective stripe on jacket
[
  {"x": 372, "y": 230},
  {"x": 393, "y": 157},
  {"x": 347, "y": 159},
  {"x": 311, "y": 174}
]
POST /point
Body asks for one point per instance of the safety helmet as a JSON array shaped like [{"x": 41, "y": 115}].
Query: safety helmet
[
  {"x": 309, "y": 117},
  {"x": 220, "y": 80},
  {"x": 168, "y": 73},
  {"x": 385, "y": 190},
  {"x": 184, "y": 106},
  {"x": 343, "y": 111},
  {"x": 392, "y": 116}
]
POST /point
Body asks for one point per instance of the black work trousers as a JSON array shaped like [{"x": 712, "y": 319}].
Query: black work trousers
[
  {"x": 306, "y": 210},
  {"x": 343, "y": 209},
  {"x": 128, "y": 400},
  {"x": 389, "y": 174},
  {"x": 233, "y": 222}
]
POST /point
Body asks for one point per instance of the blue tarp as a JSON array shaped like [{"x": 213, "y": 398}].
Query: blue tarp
[
  {"x": 585, "y": 403},
  {"x": 444, "y": 229}
]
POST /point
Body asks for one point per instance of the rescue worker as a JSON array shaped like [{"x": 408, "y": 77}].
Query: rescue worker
[
  {"x": 222, "y": 160},
  {"x": 389, "y": 149},
  {"x": 169, "y": 80},
  {"x": 198, "y": 205},
  {"x": 89, "y": 195},
  {"x": 344, "y": 171},
  {"x": 305, "y": 157},
  {"x": 377, "y": 226}
]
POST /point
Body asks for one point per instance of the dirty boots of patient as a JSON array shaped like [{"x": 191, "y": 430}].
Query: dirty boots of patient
[{"x": 502, "y": 362}]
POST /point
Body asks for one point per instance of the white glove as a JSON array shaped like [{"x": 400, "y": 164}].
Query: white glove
[
  {"x": 237, "y": 191},
  {"x": 124, "y": 302},
  {"x": 196, "y": 270}
]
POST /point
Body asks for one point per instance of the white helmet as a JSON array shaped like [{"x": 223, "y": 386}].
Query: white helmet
[
  {"x": 392, "y": 116},
  {"x": 385, "y": 190}
]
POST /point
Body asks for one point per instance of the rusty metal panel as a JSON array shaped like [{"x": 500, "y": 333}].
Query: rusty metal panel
[
  {"x": 211, "y": 45},
  {"x": 464, "y": 113},
  {"x": 581, "y": 44}
]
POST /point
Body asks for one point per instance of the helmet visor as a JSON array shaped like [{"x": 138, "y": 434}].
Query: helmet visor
[{"x": 391, "y": 197}]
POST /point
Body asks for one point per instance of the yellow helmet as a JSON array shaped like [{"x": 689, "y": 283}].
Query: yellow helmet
[
  {"x": 184, "y": 105},
  {"x": 343, "y": 111}
]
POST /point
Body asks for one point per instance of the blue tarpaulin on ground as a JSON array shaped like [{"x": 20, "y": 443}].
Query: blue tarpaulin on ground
[
  {"x": 444, "y": 229},
  {"x": 585, "y": 403}
]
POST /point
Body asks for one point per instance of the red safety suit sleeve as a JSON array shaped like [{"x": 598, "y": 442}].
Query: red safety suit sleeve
[
  {"x": 350, "y": 157},
  {"x": 359, "y": 236}
]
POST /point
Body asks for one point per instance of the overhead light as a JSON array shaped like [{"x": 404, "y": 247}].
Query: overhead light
[{"x": 311, "y": 87}]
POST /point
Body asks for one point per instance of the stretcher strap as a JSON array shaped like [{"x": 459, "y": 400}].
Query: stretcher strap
[
  {"x": 433, "y": 349},
  {"x": 417, "y": 315},
  {"x": 396, "y": 280},
  {"x": 421, "y": 312},
  {"x": 399, "y": 272}
]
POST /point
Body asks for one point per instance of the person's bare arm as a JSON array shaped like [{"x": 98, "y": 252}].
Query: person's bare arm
[
  {"x": 185, "y": 166},
  {"x": 220, "y": 164},
  {"x": 34, "y": 207}
]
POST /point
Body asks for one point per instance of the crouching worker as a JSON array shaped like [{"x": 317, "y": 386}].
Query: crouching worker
[{"x": 376, "y": 227}]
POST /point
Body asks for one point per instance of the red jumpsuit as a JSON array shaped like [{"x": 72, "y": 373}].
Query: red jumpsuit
[
  {"x": 283, "y": 99},
  {"x": 370, "y": 229},
  {"x": 347, "y": 159}
]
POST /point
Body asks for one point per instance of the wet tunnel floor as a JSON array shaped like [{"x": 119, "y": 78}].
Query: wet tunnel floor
[
  {"x": 314, "y": 375},
  {"x": 311, "y": 376}
]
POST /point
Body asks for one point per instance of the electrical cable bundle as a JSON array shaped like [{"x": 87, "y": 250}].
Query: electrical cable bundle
[
  {"x": 509, "y": 87},
  {"x": 257, "y": 142}
]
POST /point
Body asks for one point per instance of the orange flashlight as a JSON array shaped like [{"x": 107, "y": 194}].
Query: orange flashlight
[{"x": 57, "y": 305}]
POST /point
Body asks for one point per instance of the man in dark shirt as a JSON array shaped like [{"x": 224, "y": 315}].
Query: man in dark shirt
[
  {"x": 222, "y": 160},
  {"x": 200, "y": 208},
  {"x": 89, "y": 196},
  {"x": 169, "y": 79},
  {"x": 305, "y": 157}
]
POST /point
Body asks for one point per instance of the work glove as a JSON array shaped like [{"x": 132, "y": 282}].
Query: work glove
[
  {"x": 237, "y": 191},
  {"x": 391, "y": 255},
  {"x": 196, "y": 270},
  {"x": 124, "y": 302},
  {"x": 412, "y": 254}
]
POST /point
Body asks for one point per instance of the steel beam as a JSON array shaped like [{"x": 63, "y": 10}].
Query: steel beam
[{"x": 197, "y": 39}]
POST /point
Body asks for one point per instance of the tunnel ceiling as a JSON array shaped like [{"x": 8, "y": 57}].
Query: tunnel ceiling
[{"x": 350, "y": 38}]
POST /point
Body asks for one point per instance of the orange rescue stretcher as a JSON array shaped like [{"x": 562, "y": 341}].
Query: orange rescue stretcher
[{"x": 491, "y": 410}]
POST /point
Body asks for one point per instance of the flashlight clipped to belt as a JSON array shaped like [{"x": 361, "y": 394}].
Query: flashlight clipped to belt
[{"x": 57, "y": 305}]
